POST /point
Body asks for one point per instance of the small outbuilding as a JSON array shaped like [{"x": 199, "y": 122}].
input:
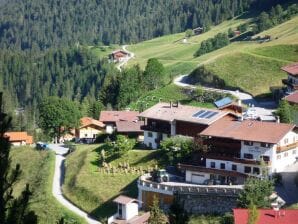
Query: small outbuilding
[
  {"x": 128, "y": 212},
  {"x": 19, "y": 138}
]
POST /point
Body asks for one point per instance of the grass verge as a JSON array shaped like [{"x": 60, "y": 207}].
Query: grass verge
[{"x": 38, "y": 170}]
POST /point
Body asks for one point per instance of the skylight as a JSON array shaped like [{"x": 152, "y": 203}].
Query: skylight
[{"x": 205, "y": 114}]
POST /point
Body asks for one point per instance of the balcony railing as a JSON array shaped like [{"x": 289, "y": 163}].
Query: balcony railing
[
  {"x": 293, "y": 85},
  {"x": 235, "y": 158},
  {"x": 287, "y": 147},
  {"x": 233, "y": 190},
  {"x": 161, "y": 129}
]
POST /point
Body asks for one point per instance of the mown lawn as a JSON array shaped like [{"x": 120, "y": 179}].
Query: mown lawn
[
  {"x": 166, "y": 94},
  {"x": 93, "y": 189},
  {"x": 37, "y": 170}
]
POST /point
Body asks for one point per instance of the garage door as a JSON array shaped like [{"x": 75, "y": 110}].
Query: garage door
[{"x": 197, "y": 178}]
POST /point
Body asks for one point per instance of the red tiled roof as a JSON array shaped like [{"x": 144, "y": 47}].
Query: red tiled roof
[
  {"x": 128, "y": 126},
  {"x": 114, "y": 116},
  {"x": 292, "y": 98},
  {"x": 291, "y": 69},
  {"x": 268, "y": 216},
  {"x": 248, "y": 130},
  {"x": 166, "y": 112},
  {"x": 19, "y": 136},
  {"x": 121, "y": 199},
  {"x": 86, "y": 121}
]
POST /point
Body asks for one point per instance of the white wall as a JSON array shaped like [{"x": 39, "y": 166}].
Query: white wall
[
  {"x": 228, "y": 165},
  {"x": 256, "y": 150},
  {"x": 196, "y": 177},
  {"x": 110, "y": 128},
  {"x": 88, "y": 132},
  {"x": 148, "y": 139},
  {"x": 130, "y": 210}
]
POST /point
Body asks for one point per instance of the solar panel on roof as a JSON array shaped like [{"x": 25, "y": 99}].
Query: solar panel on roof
[
  {"x": 223, "y": 102},
  {"x": 205, "y": 114},
  {"x": 199, "y": 113},
  {"x": 212, "y": 115}
]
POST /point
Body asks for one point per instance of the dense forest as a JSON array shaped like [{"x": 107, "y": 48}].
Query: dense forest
[
  {"x": 42, "y": 53},
  {"x": 40, "y": 24}
]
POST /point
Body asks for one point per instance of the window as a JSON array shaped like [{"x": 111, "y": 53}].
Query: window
[
  {"x": 266, "y": 158},
  {"x": 294, "y": 152},
  {"x": 248, "y": 143},
  {"x": 285, "y": 154},
  {"x": 265, "y": 145},
  {"x": 248, "y": 156},
  {"x": 256, "y": 170},
  {"x": 278, "y": 157},
  {"x": 212, "y": 164},
  {"x": 286, "y": 141},
  {"x": 86, "y": 135},
  {"x": 222, "y": 166},
  {"x": 247, "y": 169},
  {"x": 150, "y": 134},
  {"x": 234, "y": 167}
]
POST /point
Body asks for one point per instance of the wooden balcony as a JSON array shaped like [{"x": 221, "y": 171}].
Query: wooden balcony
[
  {"x": 287, "y": 147},
  {"x": 294, "y": 86},
  {"x": 160, "y": 129}
]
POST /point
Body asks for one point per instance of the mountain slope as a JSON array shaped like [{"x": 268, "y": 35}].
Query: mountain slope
[{"x": 249, "y": 65}]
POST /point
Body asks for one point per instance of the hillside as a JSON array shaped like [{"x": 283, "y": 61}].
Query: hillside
[
  {"x": 251, "y": 66},
  {"x": 45, "y": 24},
  {"x": 38, "y": 170}
]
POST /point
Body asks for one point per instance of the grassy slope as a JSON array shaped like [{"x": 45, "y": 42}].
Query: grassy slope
[
  {"x": 37, "y": 170},
  {"x": 234, "y": 63},
  {"x": 92, "y": 189},
  {"x": 166, "y": 94}
]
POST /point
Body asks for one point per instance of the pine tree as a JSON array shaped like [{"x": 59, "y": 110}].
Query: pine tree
[
  {"x": 156, "y": 214},
  {"x": 284, "y": 112}
]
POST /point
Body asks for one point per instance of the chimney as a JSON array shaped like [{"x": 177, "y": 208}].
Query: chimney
[{"x": 239, "y": 102}]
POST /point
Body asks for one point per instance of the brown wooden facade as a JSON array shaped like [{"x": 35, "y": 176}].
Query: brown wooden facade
[
  {"x": 148, "y": 197},
  {"x": 189, "y": 129}
]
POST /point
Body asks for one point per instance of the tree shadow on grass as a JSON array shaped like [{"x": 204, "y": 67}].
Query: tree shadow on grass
[
  {"x": 109, "y": 159},
  {"x": 157, "y": 155},
  {"x": 109, "y": 208}
]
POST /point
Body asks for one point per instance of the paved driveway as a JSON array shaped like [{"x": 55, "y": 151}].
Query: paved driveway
[{"x": 289, "y": 191}]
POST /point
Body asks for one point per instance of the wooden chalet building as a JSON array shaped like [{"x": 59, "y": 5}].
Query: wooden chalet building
[
  {"x": 292, "y": 81},
  {"x": 238, "y": 148},
  {"x": 124, "y": 122},
  {"x": 118, "y": 56},
  {"x": 89, "y": 130},
  {"x": 19, "y": 138},
  {"x": 168, "y": 119}
]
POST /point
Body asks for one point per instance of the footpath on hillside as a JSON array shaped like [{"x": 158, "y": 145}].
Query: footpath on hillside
[{"x": 58, "y": 180}]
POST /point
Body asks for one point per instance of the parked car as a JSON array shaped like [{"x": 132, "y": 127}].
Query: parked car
[{"x": 42, "y": 146}]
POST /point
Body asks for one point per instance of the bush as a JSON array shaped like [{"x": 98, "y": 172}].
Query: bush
[{"x": 103, "y": 137}]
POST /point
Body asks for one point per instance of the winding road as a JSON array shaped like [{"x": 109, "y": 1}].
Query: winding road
[
  {"x": 58, "y": 180},
  {"x": 130, "y": 56},
  {"x": 264, "y": 109}
]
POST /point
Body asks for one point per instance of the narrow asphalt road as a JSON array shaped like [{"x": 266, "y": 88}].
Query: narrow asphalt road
[{"x": 58, "y": 182}]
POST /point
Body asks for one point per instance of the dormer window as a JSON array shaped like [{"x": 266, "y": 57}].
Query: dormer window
[{"x": 250, "y": 143}]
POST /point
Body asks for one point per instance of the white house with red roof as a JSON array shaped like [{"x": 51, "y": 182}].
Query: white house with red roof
[
  {"x": 19, "y": 138},
  {"x": 119, "y": 56},
  {"x": 292, "y": 81},
  {"x": 128, "y": 212},
  {"x": 88, "y": 130}
]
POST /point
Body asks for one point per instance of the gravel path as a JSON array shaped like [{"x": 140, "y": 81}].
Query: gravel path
[
  {"x": 58, "y": 182},
  {"x": 131, "y": 55}
]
